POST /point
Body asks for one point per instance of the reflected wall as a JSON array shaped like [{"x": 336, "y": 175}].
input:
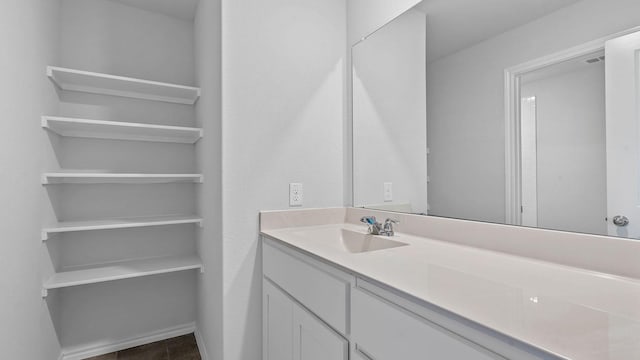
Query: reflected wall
[{"x": 389, "y": 116}]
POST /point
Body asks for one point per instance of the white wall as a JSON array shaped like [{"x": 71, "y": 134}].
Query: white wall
[
  {"x": 389, "y": 114},
  {"x": 28, "y": 33},
  {"x": 106, "y": 36},
  {"x": 209, "y": 151},
  {"x": 465, "y": 104},
  {"x": 571, "y": 151},
  {"x": 109, "y": 37},
  {"x": 283, "y": 87},
  {"x": 102, "y": 314}
]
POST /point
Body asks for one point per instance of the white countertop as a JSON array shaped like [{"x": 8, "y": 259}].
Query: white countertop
[{"x": 567, "y": 311}]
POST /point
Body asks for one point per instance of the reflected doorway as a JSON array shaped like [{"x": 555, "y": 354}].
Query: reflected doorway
[{"x": 563, "y": 146}]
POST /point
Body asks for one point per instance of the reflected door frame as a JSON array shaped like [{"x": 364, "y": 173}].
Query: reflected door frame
[{"x": 512, "y": 111}]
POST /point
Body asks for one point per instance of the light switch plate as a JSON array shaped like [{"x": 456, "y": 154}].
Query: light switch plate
[
  {"x": 388, "y": 191},
  {"x": 296, "y": 194}
]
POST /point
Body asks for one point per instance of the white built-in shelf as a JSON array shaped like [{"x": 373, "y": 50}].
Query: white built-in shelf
[
  {"x": 121, "y": 270},
  {"x": 123, "y": 223},
  {"x": 105, "y": 84},
  {"x": 101, "y": 129},
  {"x": 116, "y": 178}
]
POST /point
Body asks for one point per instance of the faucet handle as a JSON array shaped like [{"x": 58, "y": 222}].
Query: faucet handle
[
  {"x": 369, "y": 220},
  {"x": 374, "y": 227},
  {"x": 388, "y": 226}
]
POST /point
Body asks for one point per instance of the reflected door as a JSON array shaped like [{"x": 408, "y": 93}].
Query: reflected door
[
  {"x": 529, "y": 162},
  {"x": 623, "y": 135}
]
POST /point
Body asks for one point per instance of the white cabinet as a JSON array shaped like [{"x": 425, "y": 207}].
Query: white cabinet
[
  {"x": 322, "y": 289},
  {"x": 315, "y": 311},
  {"x": 292, "y": 333},
  {"x": 384, "y": 331}
]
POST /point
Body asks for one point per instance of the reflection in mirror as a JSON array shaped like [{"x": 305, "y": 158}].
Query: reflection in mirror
[
  {"x": 389, "y": 116},
  {"x": 563, "y": 156},
  {"x": 531, "y": 114}
]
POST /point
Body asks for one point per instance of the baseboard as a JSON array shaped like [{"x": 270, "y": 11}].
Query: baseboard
[
  {"x": 201, "y": 345},
  {"x": 101, "y": 348}
]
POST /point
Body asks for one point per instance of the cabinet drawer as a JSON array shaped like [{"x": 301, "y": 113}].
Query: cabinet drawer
[
  {"x": 385, "y": 331},
  {"x": 323, "y": 293}
]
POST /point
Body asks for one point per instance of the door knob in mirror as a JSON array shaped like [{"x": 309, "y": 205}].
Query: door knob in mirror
[{"x": 620, "y": 220}]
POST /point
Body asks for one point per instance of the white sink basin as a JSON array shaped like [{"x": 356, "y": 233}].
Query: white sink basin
[
  {"x": 355, "y": 242},
  {"x": 350, "y": 241}
]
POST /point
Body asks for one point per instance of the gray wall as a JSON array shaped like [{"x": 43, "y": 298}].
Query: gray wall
[
  {"x": 28, "y": 34},
  {"x": 466, "y": 105}
]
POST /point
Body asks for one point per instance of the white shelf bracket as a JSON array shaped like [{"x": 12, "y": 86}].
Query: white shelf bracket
[
  {"x": 201, "y": 224},
  {"x": 202, "y": 269},
  {"x": 44, "y": 235},
  {"x": 44, "y": 179},
  {"x": 44, "y": 293}
]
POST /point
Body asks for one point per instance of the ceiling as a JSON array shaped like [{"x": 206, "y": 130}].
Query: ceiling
[
  {"x": 453, "y": 25},
  {"x": 181, "y": 9},
  {"x": 565, "y": 67}
]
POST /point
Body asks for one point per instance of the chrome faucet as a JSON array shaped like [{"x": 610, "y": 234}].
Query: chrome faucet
[
  {"x": 375, "y": 228},
  {"x": 388, "y": 227}
]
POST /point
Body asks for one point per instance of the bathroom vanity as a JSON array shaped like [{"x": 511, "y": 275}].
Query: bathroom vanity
[{"x": 331, "y": 291}]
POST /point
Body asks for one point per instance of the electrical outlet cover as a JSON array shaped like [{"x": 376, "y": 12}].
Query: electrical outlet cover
[
  {"x": 388, "y": 191},
  {"x": 296, "y": 194}
]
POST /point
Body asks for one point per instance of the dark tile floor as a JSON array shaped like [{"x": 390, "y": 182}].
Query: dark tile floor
[{"x": 178, "y": 348}]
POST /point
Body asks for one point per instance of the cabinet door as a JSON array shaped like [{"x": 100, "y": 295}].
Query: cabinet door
[
  {"x": 277, "y": 324},
  {"x": 313, "y": 340}
]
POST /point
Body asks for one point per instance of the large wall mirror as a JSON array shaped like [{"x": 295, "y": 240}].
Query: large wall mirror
[{"x": 506, "y": 111}]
